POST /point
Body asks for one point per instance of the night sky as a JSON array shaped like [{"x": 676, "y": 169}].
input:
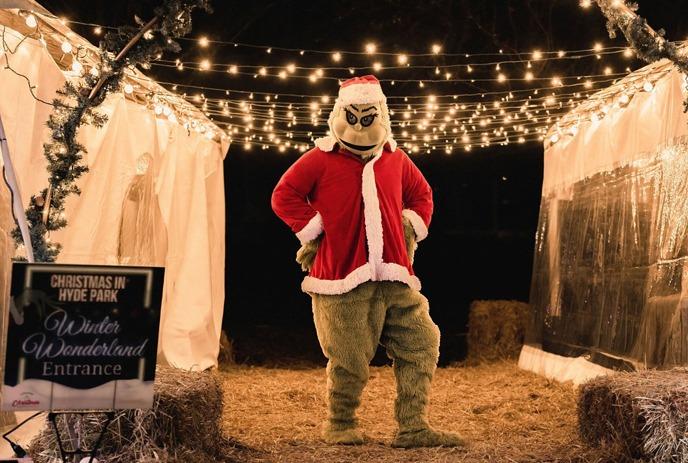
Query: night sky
[{"x": 486, "y": 201}]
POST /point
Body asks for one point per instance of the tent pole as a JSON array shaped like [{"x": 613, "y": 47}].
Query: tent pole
[{"x": 17, "y": 207}]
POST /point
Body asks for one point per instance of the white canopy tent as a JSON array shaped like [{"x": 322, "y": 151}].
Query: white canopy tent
[
  {"x": 610, "y": 279},
  {"x": 154, "y": 193}
]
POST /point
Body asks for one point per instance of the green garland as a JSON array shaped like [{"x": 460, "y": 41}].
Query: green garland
[
  {"x": 75, "y": 107},
  {"x": 649, "y": 45}
]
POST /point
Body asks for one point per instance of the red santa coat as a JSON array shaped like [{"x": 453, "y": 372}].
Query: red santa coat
[{"x": 359, "y": 207}]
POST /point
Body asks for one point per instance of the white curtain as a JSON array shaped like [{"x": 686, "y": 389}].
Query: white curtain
[{"x": 183, "y": 189}]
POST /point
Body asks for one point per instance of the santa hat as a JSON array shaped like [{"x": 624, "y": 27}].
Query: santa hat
[{"x": 361, "y": 90}]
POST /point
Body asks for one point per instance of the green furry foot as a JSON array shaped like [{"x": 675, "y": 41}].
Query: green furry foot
[
  {"x": 427, "y": 438},
  {"x": 351, "y": 436}
]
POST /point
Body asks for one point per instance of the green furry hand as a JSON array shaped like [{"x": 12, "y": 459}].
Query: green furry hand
[
  {"x": 306, "y": 254},
  {"x": 410, "y": 238}
]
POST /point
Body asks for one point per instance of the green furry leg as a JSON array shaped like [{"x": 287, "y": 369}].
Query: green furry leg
[
  {"x": 343, "y": 398},
  {"x": 348, "y": 327},
  {"x": 412, "y": 341},
  {"x": 343, "y": 437}
]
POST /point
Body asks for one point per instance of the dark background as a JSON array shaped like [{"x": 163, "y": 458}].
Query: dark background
[{"x": 481, "y": 240}]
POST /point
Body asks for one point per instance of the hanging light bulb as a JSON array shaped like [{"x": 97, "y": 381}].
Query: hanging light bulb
[
  {"x": 31, "y": 21},
  {"x": 77, "y": 67}
]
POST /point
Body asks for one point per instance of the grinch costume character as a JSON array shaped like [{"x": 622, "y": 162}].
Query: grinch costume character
[{"x": 358, "y": 205}]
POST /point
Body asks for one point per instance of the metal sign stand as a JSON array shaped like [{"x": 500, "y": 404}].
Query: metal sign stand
[{"x": 75, "y": 435}]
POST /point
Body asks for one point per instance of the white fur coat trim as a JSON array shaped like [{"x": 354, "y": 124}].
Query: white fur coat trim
[
  {"x": 418, "y": 225},
  {"x": 386, "y": 272},
  {"x": 372, "y": 216},
  {"x": 312, "y": 230}
]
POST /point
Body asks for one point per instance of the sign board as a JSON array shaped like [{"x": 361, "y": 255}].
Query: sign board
[{"x": 81, "y": 337}]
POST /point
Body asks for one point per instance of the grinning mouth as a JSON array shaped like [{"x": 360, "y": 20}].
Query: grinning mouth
[{"x": 358, "y": 147}]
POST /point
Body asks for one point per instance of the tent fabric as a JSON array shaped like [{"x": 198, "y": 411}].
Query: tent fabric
[
  {"x": 182, "y": 191},
  {"x": 577, "y": 370},
  {"x": 610, "y": 273}
]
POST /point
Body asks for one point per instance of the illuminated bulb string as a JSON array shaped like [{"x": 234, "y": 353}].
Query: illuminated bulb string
[
  {"x": 430, "y": 126},
  {"x": 77, "y": 68},
  {"x": 451, "y": 79},
  {"x": 290, "y": 68},
  {"x": 228, "y": 91}
]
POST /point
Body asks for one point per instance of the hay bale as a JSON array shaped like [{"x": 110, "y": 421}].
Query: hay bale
[
  {"x": 184, "y": 425},
  {"x": 496, "y": 330},
  {"x": 642, "y": 414}
]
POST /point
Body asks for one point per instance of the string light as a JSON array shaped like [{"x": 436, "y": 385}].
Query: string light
[
  {"x": 370, "y": 48},
  {"x": 436, "y": 48},
  {"x": 77, "y": 67},
  {"x": 203, "y": 42},
  {"x": 31, "y": 21},
  {"x": 432, "y": 125},
  {"x": 336, "y": 57},
  {"x": 182, "y": 108}
]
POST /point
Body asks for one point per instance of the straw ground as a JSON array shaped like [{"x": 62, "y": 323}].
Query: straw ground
[{"x": 508, "y": 415}]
